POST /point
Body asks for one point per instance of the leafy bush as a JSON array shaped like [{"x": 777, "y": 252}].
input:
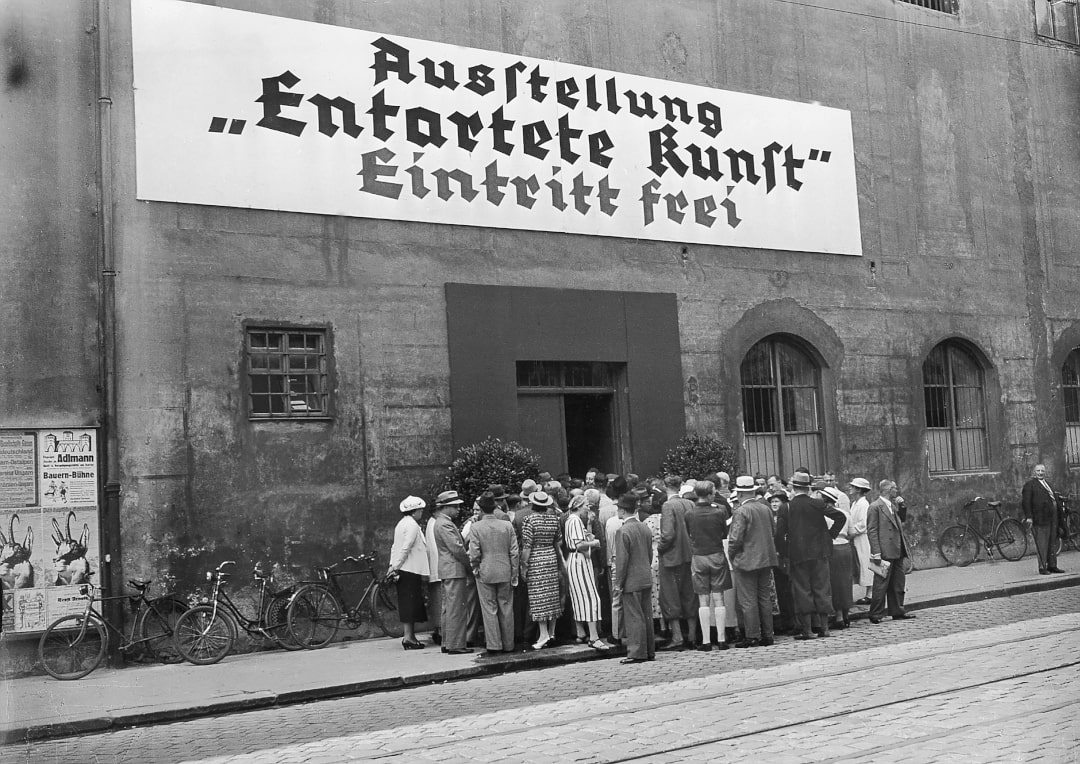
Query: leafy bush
[
  {"x": 485, "y": 463},
  {"x": 696, "y": 456}
]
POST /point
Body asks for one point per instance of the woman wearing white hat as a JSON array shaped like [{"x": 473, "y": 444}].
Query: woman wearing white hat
[
  {"x": 861, "y": 543},
  {"x": 409, "y": 565}
]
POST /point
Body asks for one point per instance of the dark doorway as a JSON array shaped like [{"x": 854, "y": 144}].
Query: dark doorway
[{"x": 589, "y": 432}]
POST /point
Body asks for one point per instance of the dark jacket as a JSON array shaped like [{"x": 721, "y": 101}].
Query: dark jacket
[
  {"x": 633, "y": 556},
  {"x": 674, "y": 544},
  {"x": 801, "y": 531},
  {"x": 1038, "y": 504}
]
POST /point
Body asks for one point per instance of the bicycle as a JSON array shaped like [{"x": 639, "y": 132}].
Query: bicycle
[
  {"x": 317, "y": 610},
  {"x": 206, "y": 633},
  {"x": 74, "y": 645},
  {"x": 959, "y": 544},
  {"x": 1071, "y": 539}
]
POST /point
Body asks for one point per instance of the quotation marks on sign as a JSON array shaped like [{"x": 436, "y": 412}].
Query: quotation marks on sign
[
  {"x": 236, "y": 126},
  {"x": 820, "y": 156}
]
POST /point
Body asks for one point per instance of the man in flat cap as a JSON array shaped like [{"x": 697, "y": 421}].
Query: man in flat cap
[{"x": 804, "y": 532}]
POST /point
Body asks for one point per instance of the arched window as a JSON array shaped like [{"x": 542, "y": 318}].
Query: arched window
[
  {"x": 955, "y": 409},
  {"x": 781, "y": 400},
  {"x": 1070, "y": 392}
]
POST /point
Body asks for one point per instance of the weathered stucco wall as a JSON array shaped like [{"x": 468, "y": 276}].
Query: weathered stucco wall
[
  {"x": 49, "y": 260},
  {"x": 966, "y": 153}
]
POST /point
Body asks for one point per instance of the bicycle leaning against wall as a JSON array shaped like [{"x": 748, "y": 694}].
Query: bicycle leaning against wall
[
  {"x": 75, "y": 645},
  {"x": 959, "y": 544},
  {"x": 318, "y": 609},
  {"x": 206, "y": 633}
]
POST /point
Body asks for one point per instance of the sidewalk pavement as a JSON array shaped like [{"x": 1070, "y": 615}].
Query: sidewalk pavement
[{"x": 38, "y": 707}]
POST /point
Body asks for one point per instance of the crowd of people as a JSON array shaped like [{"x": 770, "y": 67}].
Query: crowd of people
[{"x": 669, "y": 564}]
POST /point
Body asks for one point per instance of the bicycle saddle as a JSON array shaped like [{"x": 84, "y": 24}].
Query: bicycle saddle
[
  {"x": 993, "y": 504},
  {"x": 139, "y": 583}
]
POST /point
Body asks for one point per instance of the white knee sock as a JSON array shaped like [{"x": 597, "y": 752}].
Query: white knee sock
[
  {"x": 703, "y": 614},
  {"x": 719, "y": 620}
]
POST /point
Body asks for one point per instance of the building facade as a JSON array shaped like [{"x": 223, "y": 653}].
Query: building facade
[{"x": 268, "y": 377}]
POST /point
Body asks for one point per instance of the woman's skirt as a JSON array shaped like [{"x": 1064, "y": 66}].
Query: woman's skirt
[
  {"x": 543, "y": 584},
  {"x": 410, "y": 596},
  {"x": 584, "y": 597},
  {"x": 840, "y": 576}
]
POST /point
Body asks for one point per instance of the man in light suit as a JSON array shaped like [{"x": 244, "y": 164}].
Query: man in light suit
[
  {"x": 1041, "y": 514},
  {"x": 753, "y": 555},
  {"x": 633, "y": 578},
  {"x": 459, "y": 587},
  {"x": 885, "y": 531},
  {"x": 493, "y": 553}
]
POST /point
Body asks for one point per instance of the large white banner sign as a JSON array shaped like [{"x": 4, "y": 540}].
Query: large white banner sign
[{"x": 241, "y": 109}]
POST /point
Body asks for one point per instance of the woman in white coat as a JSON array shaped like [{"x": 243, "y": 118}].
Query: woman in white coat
[
  {"x": 860, "y": 488},
  {"x": 409, "y": 565}
]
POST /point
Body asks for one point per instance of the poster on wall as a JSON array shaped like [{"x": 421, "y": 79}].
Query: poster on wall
[
  {"x": 249, "y": 110},
  {"x": 48, "y": 524}
]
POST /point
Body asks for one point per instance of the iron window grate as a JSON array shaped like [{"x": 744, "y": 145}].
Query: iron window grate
[{"x": 287, "y": 373}]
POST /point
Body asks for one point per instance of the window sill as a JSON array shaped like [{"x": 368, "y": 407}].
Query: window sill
[
  {"x": 290, "y": 418},
  {"x": 954, "y": 475}
]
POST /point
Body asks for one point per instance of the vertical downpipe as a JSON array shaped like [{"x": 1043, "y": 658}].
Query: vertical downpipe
[{"x": 112, "y": 582}]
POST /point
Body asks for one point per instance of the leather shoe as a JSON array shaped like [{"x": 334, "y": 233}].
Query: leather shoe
[
  {"x": 633, "y": 660},
  {"x": 748, "y": 643},
  {"x": 903, "y": 617},
  {"x": 674, "y": 647},
  {"x": 766, "y": 642},
  {"x": 1044, "y": 572},
  {"x": 458, "y": 651},
  {"x": 875, "y": 621},
  {"x": 1055, "y": 570},
  {"x": 802, "y": 637}
]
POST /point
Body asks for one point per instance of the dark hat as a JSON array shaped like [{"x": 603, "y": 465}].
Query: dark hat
[
  {"x": 619, "y": 484},
  {"x": 801, "y": 479},
  {"x": 628, "y": 501},
  {"x": 497, "y": 491},
  {"x": 486, "y": 501}
]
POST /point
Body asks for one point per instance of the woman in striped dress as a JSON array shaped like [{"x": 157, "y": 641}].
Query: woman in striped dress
[
  {"x": 584, "y": 597},
  {"x": 540, "y": 564}
]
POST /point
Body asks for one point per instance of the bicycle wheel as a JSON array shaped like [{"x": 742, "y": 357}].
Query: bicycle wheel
[
  {"x": 384, "y": 609},
  {"x": 204, "y": 635},
  {"x": 313, "y": 616},
  {"x": 156, "y": 626},
  {"x": 67, "y": 651},
  {"x": 958, "y": 545},
  {"x": 1010, "y": 537},
  {"x": 277, "y": 621}
]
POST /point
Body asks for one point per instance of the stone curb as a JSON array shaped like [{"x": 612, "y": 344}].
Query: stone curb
[{"x": 513, "y": 663}]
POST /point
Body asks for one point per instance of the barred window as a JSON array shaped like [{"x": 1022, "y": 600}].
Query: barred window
[
  {"x": 944, "y": 6},
  {"x": 287, "y": 373},
  {"x": 1070, "y": 393},
  {"x": 953, "y": 394},
  {"x": 1058, "y": 19},
  {"x": 781, "y": 401}
]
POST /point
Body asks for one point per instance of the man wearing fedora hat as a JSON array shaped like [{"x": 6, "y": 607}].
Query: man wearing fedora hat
[
  {"x": 458, "y": 585},
  {"x": 885, "y": 529},
  {"x": 804, "y": 539},
  {"x": 753, "y": 555},
  {"x": 633, "y": 577}
]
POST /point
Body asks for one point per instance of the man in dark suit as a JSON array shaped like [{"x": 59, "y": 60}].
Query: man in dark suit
[
  {"x": 633, "y": 577},
  {"x": 753, "y": 555},
  {"x": 1041, "y": 514},
  {"x": 804, "y": 539},
  {"x": 885, "y": 531},
  {"x": 493, "y": 553}
]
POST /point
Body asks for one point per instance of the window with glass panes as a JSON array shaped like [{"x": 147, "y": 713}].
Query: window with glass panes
[
  {"x": 1070, "y": 393},
  {"x": 781, "y": 401},
  {"x": 287, "y": 373},
  {"x": 953, "y": 394},
  {"x": 1058, "y": 19}
]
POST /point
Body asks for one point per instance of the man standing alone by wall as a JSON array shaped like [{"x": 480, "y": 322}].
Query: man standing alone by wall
[
  {"x": 1041, "y": 514},
  {"x": 885, "y": 530}
]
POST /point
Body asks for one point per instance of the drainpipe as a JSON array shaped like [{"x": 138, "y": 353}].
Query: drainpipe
[{"x": 113, "y": 578}]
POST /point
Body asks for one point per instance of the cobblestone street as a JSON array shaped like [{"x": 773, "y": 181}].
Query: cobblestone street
[{"x": 983, "y": 681}]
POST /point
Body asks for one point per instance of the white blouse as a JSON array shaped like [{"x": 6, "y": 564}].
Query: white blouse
[{"x": 409, "y": 552}]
